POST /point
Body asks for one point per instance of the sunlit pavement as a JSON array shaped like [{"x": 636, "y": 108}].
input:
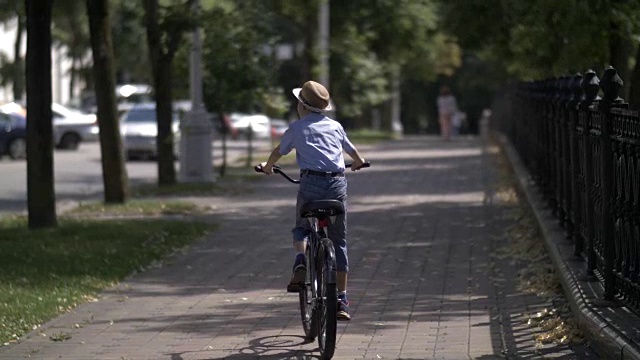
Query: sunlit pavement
[{"x": 424, "y": 224}]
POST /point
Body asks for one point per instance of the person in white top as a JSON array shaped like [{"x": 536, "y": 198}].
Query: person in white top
[{"x": 447, "y": 108}]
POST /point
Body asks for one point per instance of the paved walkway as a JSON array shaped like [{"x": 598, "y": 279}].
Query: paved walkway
[{"x": 424, "y": 221}]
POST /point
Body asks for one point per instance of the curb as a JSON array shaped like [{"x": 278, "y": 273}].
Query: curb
[{"x": 607, "y": 337}]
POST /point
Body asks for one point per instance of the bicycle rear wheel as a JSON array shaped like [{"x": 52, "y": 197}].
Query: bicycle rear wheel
[
  {"x": 308, "y": 311},
  {"x": 327, "y": 299}
]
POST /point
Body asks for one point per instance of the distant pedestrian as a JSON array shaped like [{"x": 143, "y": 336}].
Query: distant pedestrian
[{"x": 447, "y": 108}]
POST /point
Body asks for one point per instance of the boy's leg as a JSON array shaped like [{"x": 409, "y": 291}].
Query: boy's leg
[
  {"x": 343, "y": 302},
  {"x": 300, "y": 247},
  {"x": 342, "y": 281},
  {"x": 338, "y": 236},
  {"x": 300, "y": 234}
]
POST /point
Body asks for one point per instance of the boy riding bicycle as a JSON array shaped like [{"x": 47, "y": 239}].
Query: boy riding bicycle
[{"x": 319, "y": 142}]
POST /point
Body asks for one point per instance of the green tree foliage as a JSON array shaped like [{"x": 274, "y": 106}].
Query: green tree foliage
[
  {"x": 558, "y": 37},
  {"x": 13, "y": 11},
  {"x": 71, "y": 32},
  {"x": 6, "y": 70},
  {"x": 373, "y": 41},
  {"x": 359, "y": 77},
  {"x": 535, "y": 39},
  {"x": 298, "y": 22},
  {"x": 129, "y": 43},
  {"x": 237, "y": 70}
]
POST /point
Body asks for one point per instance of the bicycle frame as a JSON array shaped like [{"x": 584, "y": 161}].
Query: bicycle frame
[{"x": 317, "y": 225}]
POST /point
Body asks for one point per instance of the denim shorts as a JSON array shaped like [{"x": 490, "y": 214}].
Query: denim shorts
[{"x": 313, "y": 187}]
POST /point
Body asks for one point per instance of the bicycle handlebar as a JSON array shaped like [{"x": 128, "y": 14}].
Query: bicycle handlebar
[{"x": 278, "y": 170}]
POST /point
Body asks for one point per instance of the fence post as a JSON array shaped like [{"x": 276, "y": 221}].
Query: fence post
[
  {"x": 565, "y": 164},
  {"x": 536, "y": 151},
  {"x": 539, "y": 153},
  {"x": 611, "y": 84},
  {"x": 550, "y": 145},
  {"x": 590, "y": 86},
  {"x": 574, "y": 182}
]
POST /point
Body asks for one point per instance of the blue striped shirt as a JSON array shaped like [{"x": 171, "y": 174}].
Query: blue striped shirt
[{"x": 319, "y": 142}]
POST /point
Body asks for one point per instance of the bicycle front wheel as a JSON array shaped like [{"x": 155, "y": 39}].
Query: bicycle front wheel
[{"x": 327, "y": 298}]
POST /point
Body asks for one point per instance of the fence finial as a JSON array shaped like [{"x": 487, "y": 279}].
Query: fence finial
[
  {"x": 611, "y": 84},
  {"x": 577, "y": 93},
  {"x": 590, "y": 86}
]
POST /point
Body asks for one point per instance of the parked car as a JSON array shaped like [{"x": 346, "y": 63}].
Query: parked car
[
  {"x": 139, "y": 129},
  {"x": 70, "y": 127},
  {"x": 259, "y": 124},
  {"x": 278, "y": 127},
  {"x": 129, "y": 95},
  {"x": 13, "y": 135}
]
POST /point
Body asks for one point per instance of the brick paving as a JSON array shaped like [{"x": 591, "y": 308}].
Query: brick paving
[{"x": 424, "y": 221}]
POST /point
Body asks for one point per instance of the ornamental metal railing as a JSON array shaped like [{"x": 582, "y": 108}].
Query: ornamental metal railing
[{"x": 581, "y": 145}]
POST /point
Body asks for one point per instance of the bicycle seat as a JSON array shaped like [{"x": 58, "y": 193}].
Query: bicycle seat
[{"x": 322, "y": 208}]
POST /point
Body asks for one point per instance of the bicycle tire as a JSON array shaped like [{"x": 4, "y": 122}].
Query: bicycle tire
[
  {"x": 308, "y": 311},
  {"x": 327, "y": 299}
]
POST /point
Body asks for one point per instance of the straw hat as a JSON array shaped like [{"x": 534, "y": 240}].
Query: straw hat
[{"x": 313, "y": 96}]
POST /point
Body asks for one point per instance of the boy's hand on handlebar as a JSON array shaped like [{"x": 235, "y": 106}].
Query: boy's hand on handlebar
[
  {"x": 266, "y": 169},
  {"x": 357, "y": 164}
]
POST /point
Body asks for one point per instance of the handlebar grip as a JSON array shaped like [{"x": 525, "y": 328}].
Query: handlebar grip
[
  {"x": 258, "y": 168},
  {"x": 365, "y": 165}
]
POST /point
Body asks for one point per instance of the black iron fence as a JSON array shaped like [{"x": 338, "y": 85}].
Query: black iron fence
[{"x": 581, "y": 144}]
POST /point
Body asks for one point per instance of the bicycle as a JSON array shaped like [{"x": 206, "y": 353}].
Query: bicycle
[{"x": 319, "y": 296}]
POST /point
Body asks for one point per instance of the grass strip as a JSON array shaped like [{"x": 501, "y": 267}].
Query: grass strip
[
  {"x": 44, "y": 273},
  {"x": 233, "y": 183},
  {"x": 135, "y": 207}
]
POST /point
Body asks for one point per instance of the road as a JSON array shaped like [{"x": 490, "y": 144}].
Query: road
[{"x": 78, "y": 174}]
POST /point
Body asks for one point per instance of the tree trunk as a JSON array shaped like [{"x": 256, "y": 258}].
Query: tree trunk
[
  {"x": 162, "y": 72},
  {"x": 114, "y": 172},
  {"x": 634, "y": 84},
  {"x": 308, "y": 58},
  {"x": 225, "y": 132},
  {"x": 76, "y": 43},
  {"x": 249, "y": 145},
  {"x": 41, "y": 201},
  {"x": 72, "y": 77},
  {"x": 164, "y": 114},
  {"x": 396, "y": 100},
  {"x": 18, "y": 68}
]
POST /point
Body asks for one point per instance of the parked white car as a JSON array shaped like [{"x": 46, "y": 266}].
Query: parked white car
[
  {"x": 259, "y": 123},
  {"x": 71, "y": 127},
  {"x": 128, "y": 95},
  {"x": 139, "y": 129},
  {"x": 278, "y": 127}
]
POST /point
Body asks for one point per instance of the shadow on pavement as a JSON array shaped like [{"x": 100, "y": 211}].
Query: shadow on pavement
[{"x": 268, "y": 347}]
